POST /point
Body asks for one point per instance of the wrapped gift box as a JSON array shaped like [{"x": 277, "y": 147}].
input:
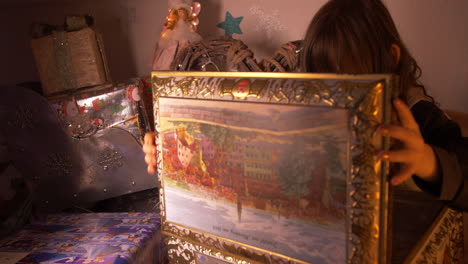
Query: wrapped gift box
[
  {"x": 107, "y": 238},
  {"x": 107, "y": 124},
  {"x": 69, "y": 60},
  {"x": 85, "y": 112},
  {"x": 77, "y": 148}
]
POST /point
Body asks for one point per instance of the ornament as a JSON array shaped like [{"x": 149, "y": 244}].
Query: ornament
[{"x": 231, "y": 25}]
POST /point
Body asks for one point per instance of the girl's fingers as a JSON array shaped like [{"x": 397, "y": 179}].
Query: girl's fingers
[
  {"x": 406, "y": 171},
  {"x": 149, "y": 138},
  {"x": 149, "y": 149},
  {"x": 149, "y": 146},
  {"x": 151, "y": 170},
  {"x": 402, "y": 155},
  {"x": 412, "y": 156},
  {"x": 405, "y": 115},
  {"x": 404, "y": 134},
  {"x": 154, "y": 161},
  {"x": 150, "y": 160}
]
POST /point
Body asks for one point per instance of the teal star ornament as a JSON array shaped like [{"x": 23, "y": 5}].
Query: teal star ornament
[{"x": 231, "y": 24}]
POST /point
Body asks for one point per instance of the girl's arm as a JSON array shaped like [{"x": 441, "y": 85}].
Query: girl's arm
[
  {"x": 434, "y": 153},
  {"x": 451, "y": 151}
]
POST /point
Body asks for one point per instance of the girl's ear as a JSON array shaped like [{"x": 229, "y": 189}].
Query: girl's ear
[{"x": 396, "y": 52}]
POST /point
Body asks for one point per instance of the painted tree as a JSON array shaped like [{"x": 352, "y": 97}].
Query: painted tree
[
  {"x": 336, "y": 182},
  {"x": 222, "y": 137},
  {"x": 295, "y": 168},
  {"x": 332, "y": 147}
]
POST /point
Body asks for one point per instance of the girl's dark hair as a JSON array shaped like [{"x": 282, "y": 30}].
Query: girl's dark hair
[{"x": 355, "y": 36}]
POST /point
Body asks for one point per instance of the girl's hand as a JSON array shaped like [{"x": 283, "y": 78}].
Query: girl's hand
[
  {"x": 416, "y": 157},
  {"x": 149, "y": 148}
]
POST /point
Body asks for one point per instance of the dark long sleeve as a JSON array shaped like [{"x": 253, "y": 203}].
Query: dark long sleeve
[{"x": 451, "y": 150}]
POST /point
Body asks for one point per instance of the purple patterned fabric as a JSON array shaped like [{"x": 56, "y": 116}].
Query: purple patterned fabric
[{"x": 106, "y": 238}]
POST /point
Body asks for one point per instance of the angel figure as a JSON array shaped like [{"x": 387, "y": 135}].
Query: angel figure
[{"x": 179, "y": 30}]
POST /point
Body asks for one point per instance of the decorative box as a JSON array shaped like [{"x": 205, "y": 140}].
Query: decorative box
[
  {"x": 443, "y": 242},
  {"x": 107, "y": 125},
  {"x": 77, "y": 148},
  {"x": 424, "y": 230},
  {"x": 70, "y": 60},
  {"x": 85, "y": 112},
  {"x": 107, "y": 238}
]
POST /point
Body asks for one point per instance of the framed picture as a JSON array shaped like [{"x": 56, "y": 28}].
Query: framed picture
[{"x": 272, "y": 167}]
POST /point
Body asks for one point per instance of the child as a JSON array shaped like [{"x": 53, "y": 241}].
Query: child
[{"x": 358, "y": 37}]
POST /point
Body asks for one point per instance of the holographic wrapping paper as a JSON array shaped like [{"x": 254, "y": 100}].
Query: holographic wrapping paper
[{"x": 107, "y": 238}]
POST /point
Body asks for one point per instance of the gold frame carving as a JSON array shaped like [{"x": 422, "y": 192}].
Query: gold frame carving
[{"x": 367, "y": 97}]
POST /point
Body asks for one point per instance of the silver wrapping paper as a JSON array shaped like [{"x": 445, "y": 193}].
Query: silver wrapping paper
[{"x": 76, "y": 155}]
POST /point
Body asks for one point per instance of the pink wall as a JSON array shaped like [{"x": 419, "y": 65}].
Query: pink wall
[{"x": 435, "y": 33}]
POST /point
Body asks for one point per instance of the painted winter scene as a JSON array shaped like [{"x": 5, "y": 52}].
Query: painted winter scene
[{"x": 268, "y": 175}]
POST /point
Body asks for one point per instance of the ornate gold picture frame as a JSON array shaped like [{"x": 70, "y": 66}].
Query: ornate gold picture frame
[{"x": 272, "y": 167}]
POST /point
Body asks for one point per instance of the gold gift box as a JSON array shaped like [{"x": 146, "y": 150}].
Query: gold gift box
[{"x": 70, "y": 60}]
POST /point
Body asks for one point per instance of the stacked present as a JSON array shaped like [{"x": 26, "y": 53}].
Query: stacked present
[
  {"x": 79, "y": 147},
  {"x": 106, "y": 124},
  {"x": 69, "y": 57},
  {"x": 86, "y": 111}
]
